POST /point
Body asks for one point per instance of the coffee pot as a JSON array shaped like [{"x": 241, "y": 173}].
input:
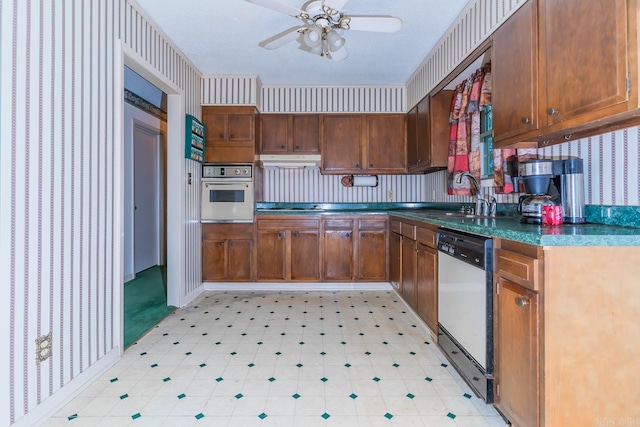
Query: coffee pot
[{"x": 530, "y": 206}]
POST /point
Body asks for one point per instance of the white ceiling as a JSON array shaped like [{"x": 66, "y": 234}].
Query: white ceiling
[{"x": 221, "y": 37}]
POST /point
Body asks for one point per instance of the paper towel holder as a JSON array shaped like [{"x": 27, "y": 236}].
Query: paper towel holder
[{"x": 359, "y": 181}]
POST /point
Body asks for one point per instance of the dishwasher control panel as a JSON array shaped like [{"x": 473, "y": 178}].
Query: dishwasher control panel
[{"x": 468, "y": 248}]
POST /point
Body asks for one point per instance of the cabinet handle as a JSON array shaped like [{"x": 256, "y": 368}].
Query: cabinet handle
[
  {"x": 357, "y": 165},
  {"x": 552, "y": 111},
  {"x": 281, "y": 234},
  {"x": 232, "y": 135},
  {"x": 526, "y": 120},
  {"x": 232, "y": 244},
  {"x": 221, "y": 243},
  {"x": 521, "y": 302},
  {"x": 282, "y": 146},
  {"x": 297, "y": 146},
  {"x": 296, "y": 234},
  {"x": 370, "y": 165}
]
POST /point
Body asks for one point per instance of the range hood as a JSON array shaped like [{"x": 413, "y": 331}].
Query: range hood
[{"x": 289, "y": 161}]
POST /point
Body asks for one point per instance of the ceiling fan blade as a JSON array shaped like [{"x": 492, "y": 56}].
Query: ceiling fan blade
[
  {"x": 282, "y": 38},
  {"x": 278, "y": 7},
  {"x": 340, "y": 54},
  {"x": 335, "y": 4},
  {"x": 384, "y": 24}
]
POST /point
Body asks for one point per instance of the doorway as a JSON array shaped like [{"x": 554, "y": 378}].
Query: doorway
[{"x": 148, "y": 194}]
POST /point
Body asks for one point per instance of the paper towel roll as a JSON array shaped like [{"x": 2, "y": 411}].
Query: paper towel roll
[{"x": 365, "y": 181}]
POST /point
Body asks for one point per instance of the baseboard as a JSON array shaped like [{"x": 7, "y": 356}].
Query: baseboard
[
  {"x": 297, "y": 286},
  {"x": 73, "y": 388}
]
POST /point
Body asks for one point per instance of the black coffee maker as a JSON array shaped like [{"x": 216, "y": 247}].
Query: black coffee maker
[{"x": 552, "y": 182}]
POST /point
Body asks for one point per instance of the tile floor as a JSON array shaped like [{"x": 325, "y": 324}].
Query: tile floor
[{"x": 345, "y": 358}]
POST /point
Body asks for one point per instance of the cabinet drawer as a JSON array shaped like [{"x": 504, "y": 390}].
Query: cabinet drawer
[
  {"x": 426, "y": 236},
  {"x": 338, "y": 224},
  {"x": 518, "y": 268},
  {"x": 394, "y": 226},
  {"x": 409, "y": 230},
  {"x": 288, "y": 224},
  {"x": 227, "y": 231},
  {"x": 372, "y": 224}
]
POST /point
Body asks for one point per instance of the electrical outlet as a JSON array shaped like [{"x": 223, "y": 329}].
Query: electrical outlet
[
  {"x": 43, "y": 348},
  {"x": 390, "y": 195},
  {"x": 433, "y": 195}
]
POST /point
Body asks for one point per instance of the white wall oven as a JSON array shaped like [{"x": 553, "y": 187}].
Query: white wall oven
[{"x": 227, "y": 193}]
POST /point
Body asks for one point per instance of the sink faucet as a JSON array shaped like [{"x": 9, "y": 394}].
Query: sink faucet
[{"x": 482, "y": 206}]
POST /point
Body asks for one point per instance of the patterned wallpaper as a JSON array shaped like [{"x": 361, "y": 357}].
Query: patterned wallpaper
[
  {"x": 60, "y": 189},
  {"x": 611, "y": 170}
]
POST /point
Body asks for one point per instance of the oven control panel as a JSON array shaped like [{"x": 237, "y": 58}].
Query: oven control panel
[{"x": 227, "y": 171}]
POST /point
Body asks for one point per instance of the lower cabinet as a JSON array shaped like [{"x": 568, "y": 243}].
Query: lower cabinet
[
  {"x": 355, "y": 248},
  {"x": 227, "y": 252},
  {"x": 427, "y": 285},
  {"x": 413, "y": 267},
  {"x": 518, "y": 352},
  {"x": 395, "y": 255},
  {"x": 288, "y": 249}
]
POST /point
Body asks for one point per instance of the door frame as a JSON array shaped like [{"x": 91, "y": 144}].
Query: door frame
[{"x": 175, "y": 171}]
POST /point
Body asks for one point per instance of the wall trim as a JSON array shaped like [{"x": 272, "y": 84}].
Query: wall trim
[
  {"x": 297, "y": 286},
  {"x": 41, "y": 413}
]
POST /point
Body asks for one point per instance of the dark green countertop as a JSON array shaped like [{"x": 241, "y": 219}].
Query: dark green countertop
[{"x": 505, "y": 226}]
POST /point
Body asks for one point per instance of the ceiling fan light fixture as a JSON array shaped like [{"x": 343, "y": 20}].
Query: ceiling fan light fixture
[
  {"x": 334, "y": 40},
  {"x": 312, "y": 37}
]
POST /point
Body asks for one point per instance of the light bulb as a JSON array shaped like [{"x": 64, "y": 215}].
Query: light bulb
[
  {"x": 334, "y": 40},
  {"x": 312, "y": 36}
]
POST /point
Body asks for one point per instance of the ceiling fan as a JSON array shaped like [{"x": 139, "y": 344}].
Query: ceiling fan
[{"x": 323, "y": 23}]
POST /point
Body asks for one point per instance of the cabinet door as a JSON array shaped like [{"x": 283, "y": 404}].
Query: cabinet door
[
  {"x": 516, "y": 353},
  {"x": 372, "y": 255},
  {"x": 272, "y": 255},
  {"x": 409, "y": 271},
  {"x": 426, "y": 278},
  {"x": 305, "y": 255},
  {"x": 275, "y": 133},
  {"x": 341, "y": 143},
  {"x": 412, "y": 139},
  {"x": 338, "y": 254},
  {"x": 423, "y": 133},
  {"x": 240, "y": 266},
  {"x": 385, "y": 150},
  {"x": 216, "y": 125},
  {"x": 514, "y": 71},
  {"x": 241, "y": 127},
  {"x": 305, "y": 133},
  {"x": 214, "y": 264},
  {"x": 395, "y": 260},
  {"x": 585, "y": 62}
]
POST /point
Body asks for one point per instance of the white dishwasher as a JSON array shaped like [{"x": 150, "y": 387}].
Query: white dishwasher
[{"x": 465, "y": 307}]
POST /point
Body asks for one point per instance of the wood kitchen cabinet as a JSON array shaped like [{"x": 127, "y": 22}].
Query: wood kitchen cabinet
[
  {"x": 563, "y": 316},
  {"x": 409, "y": 265},
  {"x": 427, "y": 277},
  {"x": 514, "y": 72},
  {"x": 363, "y": 143},
  {"x": 288, "y": 248},
  {"x": 563, "y": 82},
  {"x": 355, "y": 248},
  {"x": 395, "y": 254},
  {"x": 338, "y": 250},
  {"x": 227, "y": 252},
  {"x": 290, "y": 133},
  {"x": 428, "y": 133},
  {"x": 371, "y": 249},
  {"x": 230, "y": 136}
]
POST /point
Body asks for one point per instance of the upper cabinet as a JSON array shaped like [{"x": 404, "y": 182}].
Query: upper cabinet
[
  {"x": 230, "y": 136},
  {"x": 363, "y": 143},
  {"x": 428, "y": 133},
  {"x": 572, "y": 74},
  {"x": 514, "y": 72},
  {"x": 290, "y": 133}
]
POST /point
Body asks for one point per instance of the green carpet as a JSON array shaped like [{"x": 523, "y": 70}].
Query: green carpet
[{"x": 145, "y": 303}]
